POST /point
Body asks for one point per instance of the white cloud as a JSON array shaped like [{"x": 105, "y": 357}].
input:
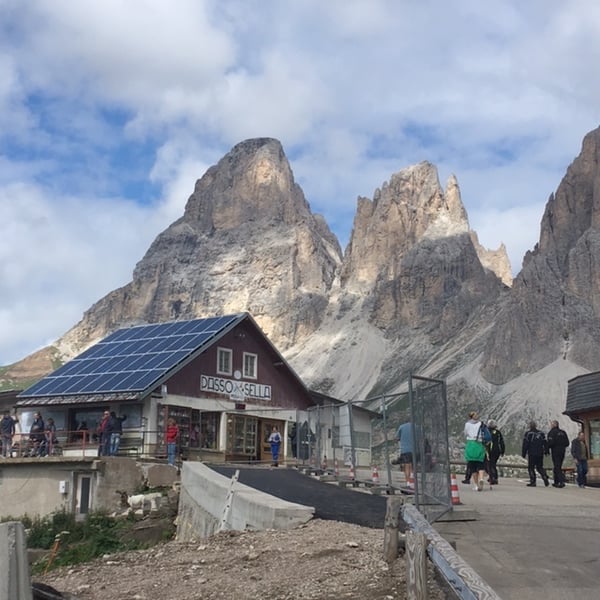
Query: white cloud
[{"x": 109, "y": 112}]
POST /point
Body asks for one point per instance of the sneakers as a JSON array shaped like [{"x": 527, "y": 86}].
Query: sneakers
[
  {"x": 480, "y": 485},
  {"x": 475, "y": 488}
]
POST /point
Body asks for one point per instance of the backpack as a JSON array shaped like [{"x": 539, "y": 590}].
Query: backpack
[{"x": 484, "y": 434}]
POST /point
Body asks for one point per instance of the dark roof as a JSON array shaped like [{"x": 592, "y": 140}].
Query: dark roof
[
  {"x": 583, "y": 393},
  {"x": 133, "y": 360}
]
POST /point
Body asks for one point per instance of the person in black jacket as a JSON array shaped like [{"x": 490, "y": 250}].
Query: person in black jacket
[
  {"x": 495, "y": 449},
  {"x": 534, "y": 448},
  {"x": 558, "y": 442},
  {"x": 115, "y": 426}
]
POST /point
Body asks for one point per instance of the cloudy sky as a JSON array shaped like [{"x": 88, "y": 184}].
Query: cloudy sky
[{"x": 109, "y": 112}]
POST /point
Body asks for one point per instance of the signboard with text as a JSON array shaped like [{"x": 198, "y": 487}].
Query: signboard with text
[{"x": 234, "y": 389}]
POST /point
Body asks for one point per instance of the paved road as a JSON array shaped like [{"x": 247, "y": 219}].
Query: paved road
[
  {"x": 532, "y": 543},
  {"x": 329, "y": 501}
]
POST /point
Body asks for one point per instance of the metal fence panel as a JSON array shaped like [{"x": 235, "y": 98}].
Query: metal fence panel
[{"x": 431, "y": 459}]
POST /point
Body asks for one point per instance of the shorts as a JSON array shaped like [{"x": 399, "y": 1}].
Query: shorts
[
  {"x": 406, "y": 458},
  {"x": 475, "y": 465}
]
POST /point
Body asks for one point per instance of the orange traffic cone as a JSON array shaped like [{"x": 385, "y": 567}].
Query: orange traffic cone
[
  {"x": 336, "y": 468},
  {"x": 411, "y": 481},
  {"x": 375, "y": 475},
  {"x": 351, "y": 471},
  {"x": 454, "y": 490}
]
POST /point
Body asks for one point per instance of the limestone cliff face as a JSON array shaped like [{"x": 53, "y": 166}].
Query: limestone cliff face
[
  {"x": 411, "y": 256},
  {"x": 408, "y": 208},
  {"x": 414, "y": 291},
  {"x": 496, "y": 261},
  {"x": 247, "y": 241},
  {"x": 554, "y": 308}
]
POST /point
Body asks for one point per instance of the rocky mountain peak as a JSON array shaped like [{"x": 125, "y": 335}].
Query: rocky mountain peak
[
  {"x": 409, "y": 208},
  {"x": 247, "y": 241},
  {"x": 251, "y": 183},
  {"x": 554, "y": 309}
]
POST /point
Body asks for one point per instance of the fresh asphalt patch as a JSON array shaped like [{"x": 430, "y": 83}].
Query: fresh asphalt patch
[{"x": 330, "y": 501}]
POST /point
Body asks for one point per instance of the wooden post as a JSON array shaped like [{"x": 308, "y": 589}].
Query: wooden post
[
  {"x": 15, "y": 583},
  {"x": 416, "y": 566},
  {"x": 390, "y": 531}
]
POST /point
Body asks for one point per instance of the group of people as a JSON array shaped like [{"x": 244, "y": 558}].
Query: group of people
[
  {"x": 41, "y": 441},
  {"x": 109, "y": 433},
  {"x": 485, "y": 445},
  {"x": 536, "y": 445}
]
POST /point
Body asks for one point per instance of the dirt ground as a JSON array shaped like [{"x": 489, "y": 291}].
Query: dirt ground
[{"x": 322, "y": 560}]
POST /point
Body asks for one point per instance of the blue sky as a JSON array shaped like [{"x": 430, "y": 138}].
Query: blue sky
[{"x": 110, "y": 111}]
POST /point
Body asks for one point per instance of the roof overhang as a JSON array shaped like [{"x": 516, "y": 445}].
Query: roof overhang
[{"x": 78, "y": 399}]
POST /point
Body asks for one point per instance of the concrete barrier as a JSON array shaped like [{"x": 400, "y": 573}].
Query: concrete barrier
[
  {"x": 15, "y": 581},
  {"x": 205, "y": 494}
]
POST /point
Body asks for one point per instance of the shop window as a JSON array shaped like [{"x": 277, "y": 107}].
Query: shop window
[
  {"x": 134, "y": 415},
  {"x": 224, "y": 361},
  {"x": 241, "y": 433},
  {"x": 59, "y": 416},
  {"x": 250, "y": 365},
  {"x": 205, "y": 427},
  {"x": 595, "y": 438}
]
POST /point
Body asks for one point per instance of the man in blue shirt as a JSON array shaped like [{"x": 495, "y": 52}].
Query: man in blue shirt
[{"x": 405, "y": 447}]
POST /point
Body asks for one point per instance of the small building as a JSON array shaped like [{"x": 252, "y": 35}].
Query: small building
[
  {"x": 583, "y": 407},
  {"x": 220, "y": 378}
]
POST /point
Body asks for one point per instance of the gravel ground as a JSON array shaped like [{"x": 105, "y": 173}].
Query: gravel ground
[{"x": 323, "y": 560}]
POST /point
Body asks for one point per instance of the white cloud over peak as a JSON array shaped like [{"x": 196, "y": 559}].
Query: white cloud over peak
[{"x": 110, "y": 111}]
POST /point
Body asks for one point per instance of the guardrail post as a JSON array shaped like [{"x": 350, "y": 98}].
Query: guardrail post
[
  {"x": 15, "y": 581},
  {"x": 390, "y": 531},
  {"x": 416, "y": 566}
]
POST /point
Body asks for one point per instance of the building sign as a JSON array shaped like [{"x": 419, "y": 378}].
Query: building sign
[{"x": 236, "y": 390}]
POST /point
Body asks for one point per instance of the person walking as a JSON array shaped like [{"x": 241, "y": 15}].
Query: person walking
[
  {"x": 495, "y": 449},
  {"x": 275, "y": 441},
  {"x": 558, "y": 442},
  {"x": 7, "y": 431},
  {"x": 534, "y": 448},
  {"x": 475, "y": 450},
  {"x": 581, "y": 454},
  {"x": 171, "y": 438},
  {"x": 404, "y": 435}
]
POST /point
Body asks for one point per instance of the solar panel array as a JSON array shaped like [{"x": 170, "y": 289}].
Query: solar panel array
[{"x": 131, "y": 359}]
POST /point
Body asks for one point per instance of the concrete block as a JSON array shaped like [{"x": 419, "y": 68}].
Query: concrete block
[
  {"x": 158, "y": 475},
  {"x": 15, "y": 582},
  {"x": 203, "y": 497}
]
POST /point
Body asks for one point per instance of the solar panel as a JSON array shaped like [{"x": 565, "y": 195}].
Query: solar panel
[{"x": 131, "y": 359}]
